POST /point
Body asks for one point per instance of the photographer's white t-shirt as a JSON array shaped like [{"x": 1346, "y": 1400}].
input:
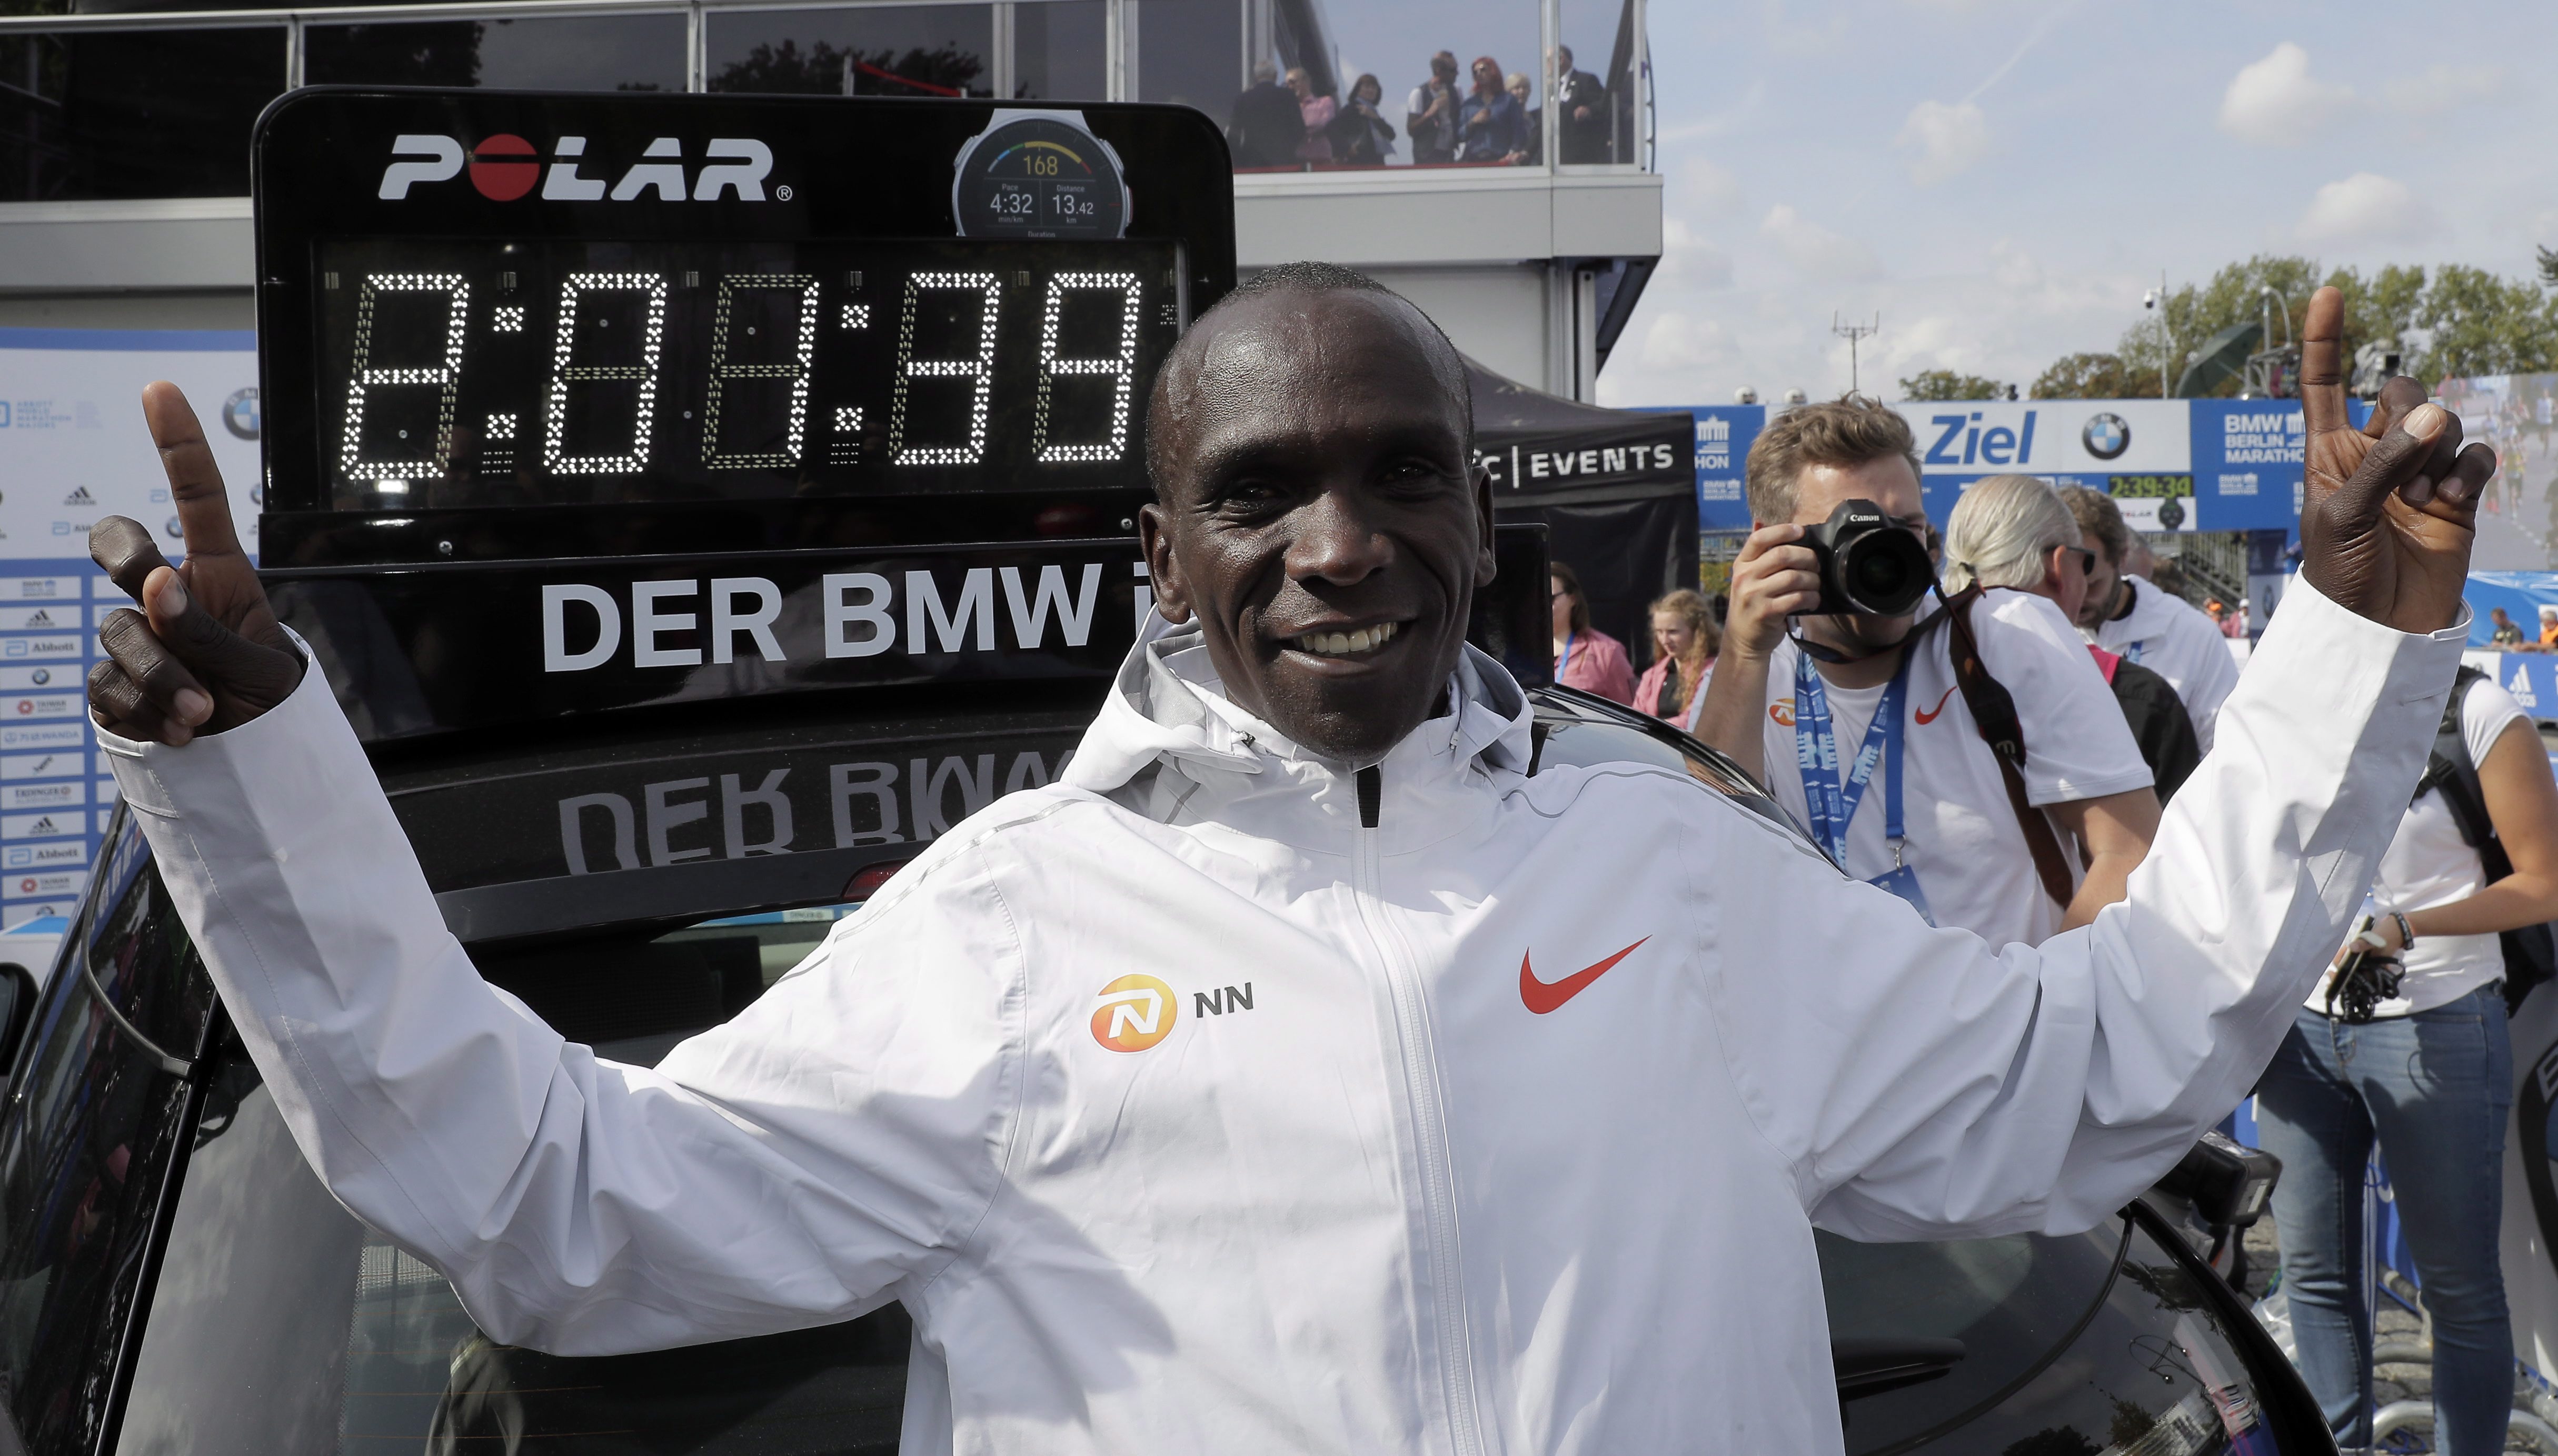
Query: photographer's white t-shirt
[
  {"x": 1963, "y": 840},
  {"x": 2428, "y": 864}
]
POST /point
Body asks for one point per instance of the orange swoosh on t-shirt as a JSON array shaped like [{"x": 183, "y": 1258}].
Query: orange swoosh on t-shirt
[{"x": 1927, "y": 717}]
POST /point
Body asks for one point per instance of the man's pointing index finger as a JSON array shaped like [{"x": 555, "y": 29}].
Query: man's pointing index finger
[{"x": 195, "y": 482}]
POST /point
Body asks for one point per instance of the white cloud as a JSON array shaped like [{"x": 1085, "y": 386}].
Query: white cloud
[
  {"x": 1710, "y": 184},
  {"x": 1949, "y": 139},
  {"x": 1821, "y": 255},
  {"x": 1688, "y": 261},
  {"x": 2276, "y": 102},
  {"x": 2365, "y": 207},
  {"x": 2442, "y": 87}
]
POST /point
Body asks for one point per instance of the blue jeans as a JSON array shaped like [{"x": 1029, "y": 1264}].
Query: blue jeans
[{"x": 2435, "y": 1086}]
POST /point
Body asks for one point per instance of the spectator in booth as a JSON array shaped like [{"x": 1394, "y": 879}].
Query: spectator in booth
[
  {"x": 2148, "y": 626},
  {"x": 2011, "y": 530},
  {"x": 2549, "y": 628},
  {"x": 2505, "y": 635},
  {"x": 1536, "y": 119},
  {"x": 1684, "y": 643},
  {"x": 1268, "y": 125},
  {"x": 1830, "y": 716},
  {"x": 1316, "y": 114},
  {"x": 1430, "y": 116},
  {"x": 1584, "y": 656},
  {"x": 1362, "y": 136},
  {"x": 1490, "y": 126},
  {"x": 2430, "y": 1077},
  {"x": 1584, "y": 103}
]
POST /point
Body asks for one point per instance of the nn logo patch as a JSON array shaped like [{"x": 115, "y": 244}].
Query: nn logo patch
[{"x": 1136, "y": 1011}]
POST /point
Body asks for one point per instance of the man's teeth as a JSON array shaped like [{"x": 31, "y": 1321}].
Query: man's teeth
[{"x": 1344, "y": 644}]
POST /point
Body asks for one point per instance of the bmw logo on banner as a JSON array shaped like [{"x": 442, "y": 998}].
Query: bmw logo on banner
[{"x": 2106, "y": 436}]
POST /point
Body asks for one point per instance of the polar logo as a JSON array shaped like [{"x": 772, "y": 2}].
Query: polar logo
[
  {"x": 505, "y": 168},
  {"x": 1136, "y": 1011}
]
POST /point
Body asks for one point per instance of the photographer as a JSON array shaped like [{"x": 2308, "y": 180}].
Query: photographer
[
  {"x": 2423, "y": 1065},
  {"x": 1969, "y": 840}
]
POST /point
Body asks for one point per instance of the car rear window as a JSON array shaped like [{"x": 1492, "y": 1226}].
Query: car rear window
[{"x": 282, "y": 1326}]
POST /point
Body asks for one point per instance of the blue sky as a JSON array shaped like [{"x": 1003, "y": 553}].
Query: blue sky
[{"x": 2002, "y": 178}]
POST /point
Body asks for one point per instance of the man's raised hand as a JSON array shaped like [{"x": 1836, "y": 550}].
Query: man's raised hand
[
  {"x": 205, "y": 652},
  {"x": 2385, "y": 521}
]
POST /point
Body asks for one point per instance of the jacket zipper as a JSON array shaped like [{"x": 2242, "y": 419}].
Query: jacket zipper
[{"x": 1430, "y": 1132}]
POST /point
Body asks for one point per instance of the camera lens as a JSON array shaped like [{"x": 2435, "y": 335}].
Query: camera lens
[
  {"x": 1884, "y": 573},
  {"x": 1879, "y": 575}
]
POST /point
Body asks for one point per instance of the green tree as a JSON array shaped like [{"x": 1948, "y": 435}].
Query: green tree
[
  {"x": 2094, "y": 376},
  {"x": 2235, "y": 295},
  {"x": 2480, "y": 324},
  {"x": 2457, "y": 321},
  {"x": 1948, "y": 384}
]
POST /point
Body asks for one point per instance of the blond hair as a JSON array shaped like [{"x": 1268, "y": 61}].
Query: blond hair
[
  {"x": 2002, "y": 531},
  {"x": 1693, "y": 610},
  {"x": 1842, "y": 433}
]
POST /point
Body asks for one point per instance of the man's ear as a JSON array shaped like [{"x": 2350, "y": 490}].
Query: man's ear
[{"x": 1163, "y": 570}]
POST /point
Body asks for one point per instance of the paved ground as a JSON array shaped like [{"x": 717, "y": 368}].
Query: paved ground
[{"x": 2396, "y": 1325}]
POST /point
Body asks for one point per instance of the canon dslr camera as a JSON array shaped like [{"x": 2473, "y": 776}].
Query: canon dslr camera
[{"x": 1870, "y": 564}]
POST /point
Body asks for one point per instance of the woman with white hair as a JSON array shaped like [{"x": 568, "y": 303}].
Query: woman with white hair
[{"x": 2011, "y": 530}]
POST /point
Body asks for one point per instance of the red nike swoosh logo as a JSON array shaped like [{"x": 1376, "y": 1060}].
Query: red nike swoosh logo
[
  {"x": 1544, "y": 996},
  {"x": 1927, "y": 717}
]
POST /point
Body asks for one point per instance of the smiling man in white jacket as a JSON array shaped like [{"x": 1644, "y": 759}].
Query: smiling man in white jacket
[{"x": 1541, "y": 1081}]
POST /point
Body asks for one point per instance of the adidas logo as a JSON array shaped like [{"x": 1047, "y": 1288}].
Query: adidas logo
[
  {"x": 80, "y": 496},
  {"x": 44, "y": 825},
  {"x": 41, "y": 618}
]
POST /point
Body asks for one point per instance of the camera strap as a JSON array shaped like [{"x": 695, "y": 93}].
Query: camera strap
[
  {"x": 1994, "y": 714},
  {"x": 1831, "y": 797}
]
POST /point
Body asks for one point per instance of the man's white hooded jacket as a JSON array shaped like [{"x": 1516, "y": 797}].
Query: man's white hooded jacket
[{"x": 1186, "y": 1111}]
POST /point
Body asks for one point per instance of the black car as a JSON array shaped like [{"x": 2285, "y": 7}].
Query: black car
[{"x": 173, "y": 1278}]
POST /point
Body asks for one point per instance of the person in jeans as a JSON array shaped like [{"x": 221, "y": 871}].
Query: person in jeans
[
  {"x": 2431, "y": 1078},
  {"x": 1584, "y": 656},
  {"x": 1684, "y": 643}
]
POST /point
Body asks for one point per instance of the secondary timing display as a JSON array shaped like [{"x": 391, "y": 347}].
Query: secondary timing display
[{"x": 562, "y": 372}]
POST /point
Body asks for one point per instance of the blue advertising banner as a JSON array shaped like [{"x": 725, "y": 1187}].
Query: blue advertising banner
[
  {"x": 2247, "y": 463},
  {"x": 1724, "y": 433},
  {"x": 2532, "y": 679}
]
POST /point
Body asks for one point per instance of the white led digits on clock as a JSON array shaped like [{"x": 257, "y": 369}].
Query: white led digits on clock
[
  {"x": 795, "y": 369},
  {"x": 1124, "y": 364},
  {"x": 565, "y": 373},
  {"x": 908, "y": 368},
  {"x": 364, "y": 378}
]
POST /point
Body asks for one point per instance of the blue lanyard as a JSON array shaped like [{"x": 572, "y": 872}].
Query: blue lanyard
[
  {"x": 2131, "y": 652},
  {"x": 1565, "y": 666},
  {"x": 1830, "y": 803}
]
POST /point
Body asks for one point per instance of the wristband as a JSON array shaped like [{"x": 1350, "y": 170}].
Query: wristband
[{"x": 2406, "y": 932}]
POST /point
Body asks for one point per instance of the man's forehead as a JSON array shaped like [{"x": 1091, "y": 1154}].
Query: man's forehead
[{"x": 1329, "y": 356}]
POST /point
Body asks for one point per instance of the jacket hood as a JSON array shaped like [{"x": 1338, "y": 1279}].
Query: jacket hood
[{"x": 1167, "y": 705}]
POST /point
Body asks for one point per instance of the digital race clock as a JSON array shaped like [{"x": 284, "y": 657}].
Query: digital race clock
[{"x": 501, "y": 324}]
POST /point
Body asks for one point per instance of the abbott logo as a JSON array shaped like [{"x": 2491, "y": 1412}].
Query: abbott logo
[{"x": 1136, "y": 1013}]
